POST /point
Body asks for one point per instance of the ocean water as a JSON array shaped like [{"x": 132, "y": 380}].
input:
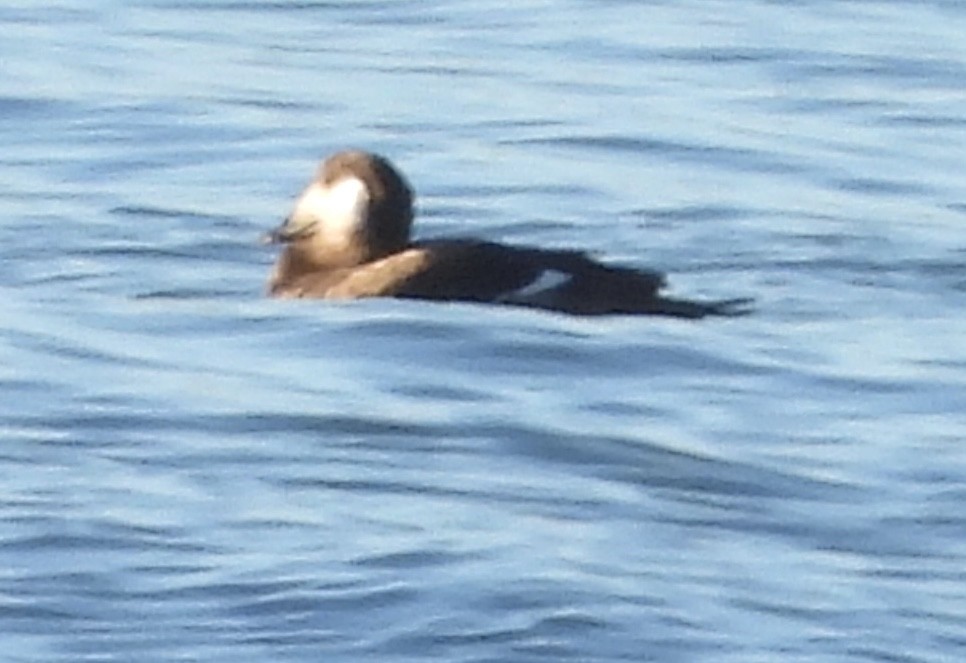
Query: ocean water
[{"x": 193, "y": 472}]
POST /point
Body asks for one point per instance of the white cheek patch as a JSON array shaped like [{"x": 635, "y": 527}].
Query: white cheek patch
[
  {"x": 339, "y": 209},
  {"x": 549, "y": 279}
]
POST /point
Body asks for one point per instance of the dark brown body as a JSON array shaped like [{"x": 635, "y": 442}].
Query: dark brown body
[
  {"x": 348, "y": 237},
  {"x": 485, "y": 272}
]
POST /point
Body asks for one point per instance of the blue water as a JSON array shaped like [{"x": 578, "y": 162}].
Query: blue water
[{"x": 192, "y": 472}]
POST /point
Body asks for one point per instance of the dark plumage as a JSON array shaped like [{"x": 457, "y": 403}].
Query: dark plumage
[{"x": 348, "y": 237}]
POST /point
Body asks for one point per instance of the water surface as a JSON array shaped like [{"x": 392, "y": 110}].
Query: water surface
[{"x": 193, "y": 472}]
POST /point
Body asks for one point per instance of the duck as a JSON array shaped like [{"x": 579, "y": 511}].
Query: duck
[{"x": 348, "y": 236}]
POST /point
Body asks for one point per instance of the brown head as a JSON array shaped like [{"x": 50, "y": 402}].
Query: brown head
[{"x": 358, "y": 209}]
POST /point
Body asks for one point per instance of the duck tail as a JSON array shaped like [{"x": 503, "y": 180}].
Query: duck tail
[{"x": 692, "y": 310}]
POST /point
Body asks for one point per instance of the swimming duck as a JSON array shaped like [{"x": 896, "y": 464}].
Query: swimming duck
[{"x": 348, "y": 237}]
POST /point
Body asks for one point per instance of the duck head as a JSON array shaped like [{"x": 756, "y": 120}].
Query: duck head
[{"x": 357, "y": 209}]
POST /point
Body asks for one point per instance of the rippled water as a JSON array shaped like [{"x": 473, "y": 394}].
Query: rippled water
[{"x": 192, "y": 472}]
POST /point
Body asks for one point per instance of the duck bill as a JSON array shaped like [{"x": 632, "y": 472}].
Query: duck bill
[
  {"x": 285, "y": 233},
  {"x": 275, "y": 236}
]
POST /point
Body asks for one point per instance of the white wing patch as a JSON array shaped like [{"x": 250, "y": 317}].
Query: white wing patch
[{"x": 548, "y": 280}]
